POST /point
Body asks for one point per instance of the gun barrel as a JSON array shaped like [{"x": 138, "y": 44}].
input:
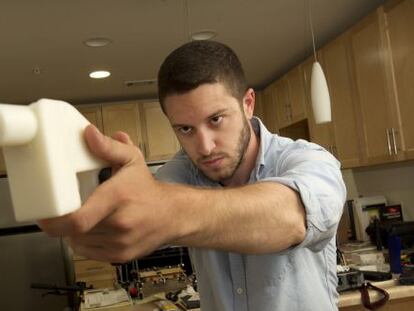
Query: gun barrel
[{"x": 18, "y": 125}]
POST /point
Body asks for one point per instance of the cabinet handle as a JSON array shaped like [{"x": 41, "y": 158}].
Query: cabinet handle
[
  {"x": 335, "y": 151},
  {"x": 394, "y": 141},
  {"x": 389, "y": 142}
]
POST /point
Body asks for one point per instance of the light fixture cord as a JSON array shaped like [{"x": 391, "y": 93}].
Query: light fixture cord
[
  {"x": 311, "y": 27},
  {"x": 187, "y": 22}
]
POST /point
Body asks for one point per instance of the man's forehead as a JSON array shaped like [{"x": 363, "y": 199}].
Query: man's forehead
[{"x": 202, "y": 102}]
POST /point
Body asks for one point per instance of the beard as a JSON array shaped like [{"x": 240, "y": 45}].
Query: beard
[{"x": 236, "y": 158}]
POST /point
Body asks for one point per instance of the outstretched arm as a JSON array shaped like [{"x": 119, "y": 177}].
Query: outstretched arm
[{"x": 132, "y": 214}]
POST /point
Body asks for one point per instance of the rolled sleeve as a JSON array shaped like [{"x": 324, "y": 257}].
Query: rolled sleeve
[{"x": 315, "y": 174}]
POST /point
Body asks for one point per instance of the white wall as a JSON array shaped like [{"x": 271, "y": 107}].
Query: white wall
[{"x": 394, "y": 181}]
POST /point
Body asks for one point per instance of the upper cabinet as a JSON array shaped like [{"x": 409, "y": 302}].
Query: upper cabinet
[
  {"x": 270, "y": 118},
  {"x": 335, "y": 58},
  {"x": 283, "y": 102},
  {"x": 369, "y": 71},
  {"x": 399, "y": 22},
  {"x": 340, "y": 137},
  {"x": 124, "y": 116},
  {"x": 93, "y": 114},
  {"x": 144, "y": 122},
  {"x": 296, "y": 107},
  {"x": 160, "y": 140},
  {"x": 280, "y": 94},
  {"x": 374, "y": 91}
]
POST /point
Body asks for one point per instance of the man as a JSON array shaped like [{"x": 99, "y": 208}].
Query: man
[{"x": 258, "y": 211}]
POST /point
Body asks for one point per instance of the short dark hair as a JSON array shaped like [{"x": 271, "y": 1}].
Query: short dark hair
[{"x": 200, "y": 62}]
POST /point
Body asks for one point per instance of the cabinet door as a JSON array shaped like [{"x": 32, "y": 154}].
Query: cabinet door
[
  {"x": 269, "y": 109},
  {"x": 160, "y": 140},
  {"x": 122, "y": 117},
  {"x": 335, "y": 58},
  {"x": 375, "y": 96},
  {"x": 93, "y": 114},
  {"x": 320, "y": 134},
  {"x": 281, "y": 99},
  {"x": 400, "y": 20},
  {"x": 296, "y": 108}
]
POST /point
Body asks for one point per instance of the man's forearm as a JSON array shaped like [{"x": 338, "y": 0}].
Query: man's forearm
[{"x": 261, "y": 218}]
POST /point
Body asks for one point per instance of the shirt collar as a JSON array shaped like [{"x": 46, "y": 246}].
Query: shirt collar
[{"x": 264, "y": 137}]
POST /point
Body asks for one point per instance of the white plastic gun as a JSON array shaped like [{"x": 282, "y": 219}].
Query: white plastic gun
[{"x": 49, "y": 166}]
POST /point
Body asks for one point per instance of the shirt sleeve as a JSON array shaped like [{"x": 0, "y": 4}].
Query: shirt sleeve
[{"x": 315, "y": 174}]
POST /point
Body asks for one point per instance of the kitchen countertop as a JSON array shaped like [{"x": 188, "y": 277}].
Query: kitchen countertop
[{"x": 396, "y": 291}]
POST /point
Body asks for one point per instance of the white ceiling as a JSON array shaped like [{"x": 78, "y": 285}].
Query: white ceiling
[{"x": 270, "y": 36}]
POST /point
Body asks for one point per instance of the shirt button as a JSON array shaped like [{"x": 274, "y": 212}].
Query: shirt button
[{"x": 239, "y": 291}]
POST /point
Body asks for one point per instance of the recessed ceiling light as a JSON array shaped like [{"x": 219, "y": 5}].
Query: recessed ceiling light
[
  {"x": 97, "y": 42},
  {"x": 203, "y": 35},
  {"x": 100, "y": 74}
]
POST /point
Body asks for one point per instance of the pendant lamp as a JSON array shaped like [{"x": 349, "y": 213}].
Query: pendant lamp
[{"x": 321, "y": 102}]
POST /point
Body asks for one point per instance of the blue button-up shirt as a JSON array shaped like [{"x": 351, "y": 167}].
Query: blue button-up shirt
[{"x": 302, "y": 277}]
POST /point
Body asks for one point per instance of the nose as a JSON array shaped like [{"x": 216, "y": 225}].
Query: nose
[{"x": 205, "y": 142}]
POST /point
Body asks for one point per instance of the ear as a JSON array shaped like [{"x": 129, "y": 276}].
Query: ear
[{"x": 249, "y": 101}]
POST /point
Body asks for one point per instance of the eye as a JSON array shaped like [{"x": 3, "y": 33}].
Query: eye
[
  {"x": 216, "y": 120},
  {"x": 185, "y": 129}
]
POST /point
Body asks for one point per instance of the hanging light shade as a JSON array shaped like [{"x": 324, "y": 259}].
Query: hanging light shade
[{"x": 321, "y": 102}]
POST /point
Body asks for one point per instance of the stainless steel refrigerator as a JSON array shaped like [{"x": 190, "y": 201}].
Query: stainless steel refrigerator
[{"x": 28, "y": 256}]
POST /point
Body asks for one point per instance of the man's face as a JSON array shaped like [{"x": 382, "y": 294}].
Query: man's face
[{"x": 212, "y": 129}]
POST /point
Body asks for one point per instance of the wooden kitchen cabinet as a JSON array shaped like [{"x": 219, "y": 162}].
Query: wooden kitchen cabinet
[
  {"x": 369, "y": 70},
  {"x": 289, "y": 97},
  {"x": 270, "y": 118},
  {"x": 399, "y": 22},
  {"x": 281, "y": 100},
  {"x": 145, "y": 124},
  {"x": 341, "y": 136},
  {"x": 93, "y": 114},
  {"x": 296, "y": 107},
  {"x": 335, "y": 58},
  {"x": 160, "y": 140},
  {"x": 123, "y": 116},
  {"x": 374, "y": 91}
]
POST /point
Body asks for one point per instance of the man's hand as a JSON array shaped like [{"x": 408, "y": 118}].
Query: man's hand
[{"x": 127, "y": 216}]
